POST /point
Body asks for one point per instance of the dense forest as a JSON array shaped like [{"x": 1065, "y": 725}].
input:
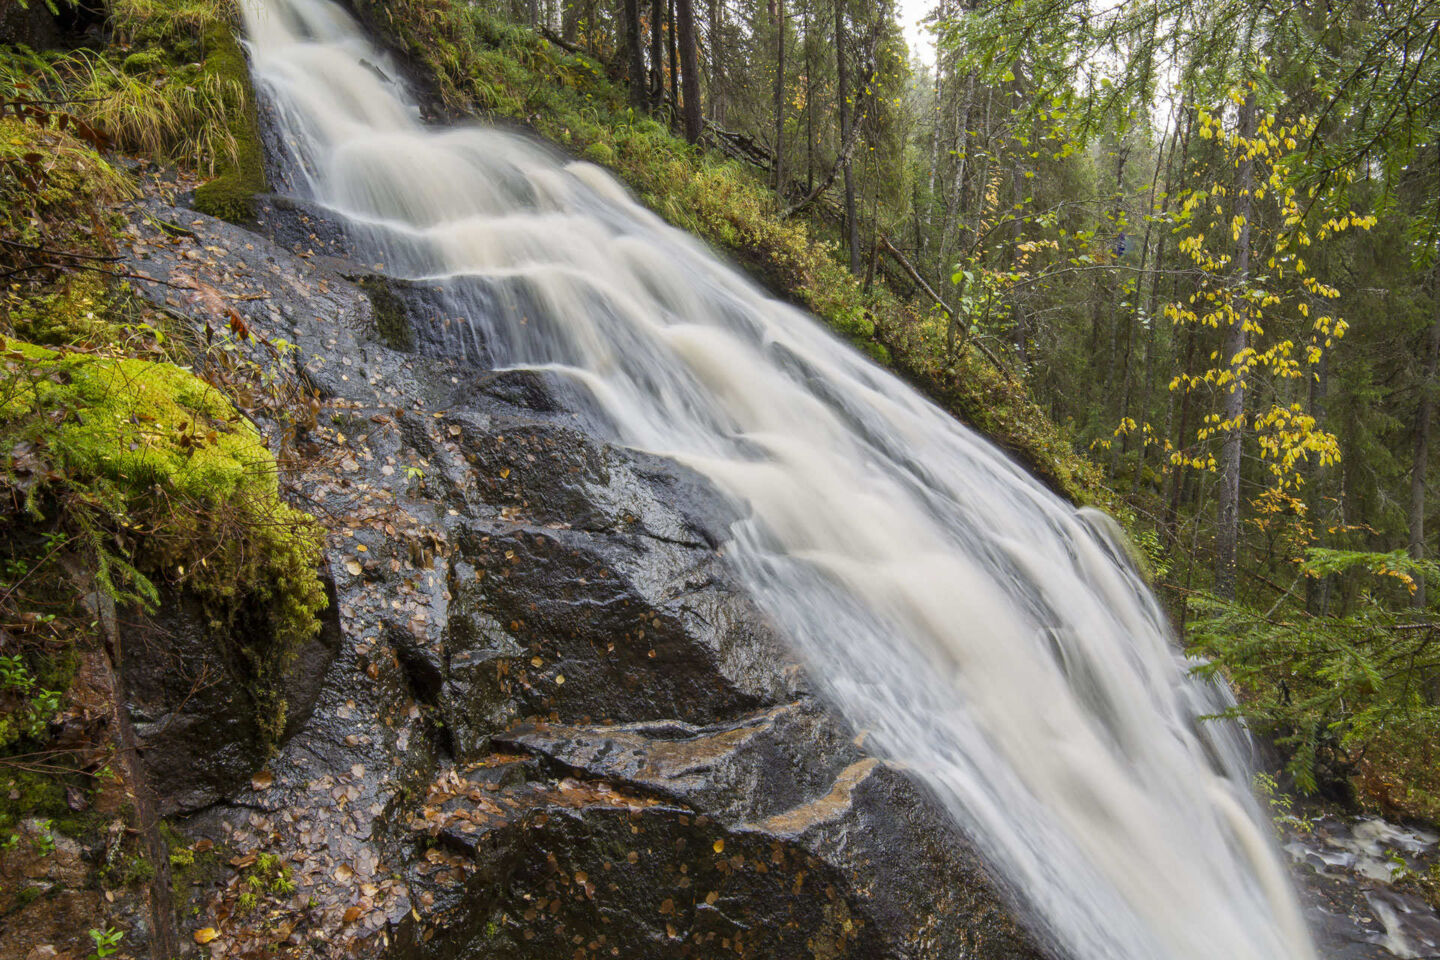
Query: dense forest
[{"x": 1180, "y": 260}]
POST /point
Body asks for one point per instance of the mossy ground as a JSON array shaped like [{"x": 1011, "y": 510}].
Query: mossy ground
[
  {"x": 478, "y": 64},
  {"x": 171, "y": 85},
  {"x": 230, "y": 196},
  {"x": 122, "y": 470}
]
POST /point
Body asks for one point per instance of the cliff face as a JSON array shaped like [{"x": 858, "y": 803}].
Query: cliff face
[{"x": 541, "y": 719}]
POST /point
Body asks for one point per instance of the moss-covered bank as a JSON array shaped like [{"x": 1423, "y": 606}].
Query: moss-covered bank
[
  {"x": 126, "y": 478},
  {"x": 230, "y": 195}
]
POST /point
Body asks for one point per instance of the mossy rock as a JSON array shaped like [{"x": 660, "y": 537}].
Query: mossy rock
[
  {"x": 145, "y": 61},
  {"x": 70, "y": 197},
  {"x": 150, "y": 448},
  {"x": 387, "y": 309},
  {"x": 139, "y": 424},
  {"x": 231, "y": 195},
  {"x": 600, "y": 153}
]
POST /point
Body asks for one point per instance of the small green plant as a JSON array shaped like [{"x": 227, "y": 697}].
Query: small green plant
[
  {"x": 44, "y": 839},
  {"x": 107, "y": 942},
  {"x": 1282, "y": 806},
  {"x": 269, "y": 874}
]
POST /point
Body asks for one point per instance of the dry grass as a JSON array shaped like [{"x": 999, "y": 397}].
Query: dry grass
[
  {"x": 136, "y": 21},
  {"x": 186, "y": 117}
]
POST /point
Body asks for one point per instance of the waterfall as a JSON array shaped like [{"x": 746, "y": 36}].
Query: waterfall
[{"x": 986, "y": 636}]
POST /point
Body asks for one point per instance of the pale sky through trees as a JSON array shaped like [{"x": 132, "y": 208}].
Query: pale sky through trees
[{"x": 919, "y": 39}]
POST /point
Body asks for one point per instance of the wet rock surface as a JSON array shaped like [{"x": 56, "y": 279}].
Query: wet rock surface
[
  {"x": 549, "y": 723},
  {"x": 190, "y": 705},
  {"x": 1367, "y": 884}
]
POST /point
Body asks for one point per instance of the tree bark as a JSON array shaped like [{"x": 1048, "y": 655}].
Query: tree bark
[
  {"x": 1424, "y": 414},
  {"x": 1227, "y": 533},
  {"x": 842, "y": 94},
  {"x": 1317, "y": 589},
  {"x": 717, "y": 108},
  {"x": 657, "y": 54},
  {"x": 809, "y": 97},
  {"x": 689, "y": 71},
  {"x": 674, "y": 64},
  {"x": 634, "y": 54},
  {"x": 570, "y": 21},
  {"x": 777, "y": 9},
  {"x": 954, "y": 227}
]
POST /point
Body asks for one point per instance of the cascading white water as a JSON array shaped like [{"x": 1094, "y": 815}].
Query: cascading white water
[{"x": 986, "y": 635}]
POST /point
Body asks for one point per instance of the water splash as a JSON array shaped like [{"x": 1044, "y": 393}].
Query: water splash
[{"x": 986, "y": 635}]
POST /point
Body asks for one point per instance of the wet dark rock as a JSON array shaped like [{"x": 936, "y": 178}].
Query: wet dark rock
[
  {"x": 552, "y": 721},
  {"x": 1359, "y": 882},
  {"x": 392, "y": 319},
  {"x": 28, "y": 24},
  {"x": 187, "y": 689}
]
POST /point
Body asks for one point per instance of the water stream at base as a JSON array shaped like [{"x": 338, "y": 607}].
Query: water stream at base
[{"x": 986, "y": 635}]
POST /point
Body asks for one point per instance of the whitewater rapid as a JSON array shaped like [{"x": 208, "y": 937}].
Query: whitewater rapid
[{"x": 984, "y": 634}]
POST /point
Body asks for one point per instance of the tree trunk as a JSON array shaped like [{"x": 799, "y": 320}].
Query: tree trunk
[
  {"x": 1182, "y": 446},
  {"x": 634, "y": 54},
  {"x": 674, "y": 65},
  {"x": 1423, "y": 416},
  {"x": 842, "y": 95},
  {"x": 777, "y": 9},
  {"x": 1317, "y": 589},
  {"x": 955, "y": 206},
  {"x": 935, "y": 120},
  {"x": 809, "y": 98},
  {"x": 717, "y": 108},
  {"x": 657, "y": 54},
  {"x": 570, "y": 21},
  {"x": 1227, "y": 533},
  {"x": 689, "y": 70}
]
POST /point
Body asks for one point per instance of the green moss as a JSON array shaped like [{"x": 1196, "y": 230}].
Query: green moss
[
  {"x": 600, "y": 153},
  {"x": 138, "y": 424},
  {"x": 230, "y": 196},
  {"x": 149, "y": 447},
  {"x": 65, "y": 200},
  {"x": 145, "y": 61},
  {"x": 132, "y": 870},
  {"x": 25, "y": 794},
  {"x": 392, "y": 320}
]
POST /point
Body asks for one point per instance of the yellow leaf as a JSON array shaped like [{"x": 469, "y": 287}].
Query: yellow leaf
[{"x": 205, "y": 934}]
